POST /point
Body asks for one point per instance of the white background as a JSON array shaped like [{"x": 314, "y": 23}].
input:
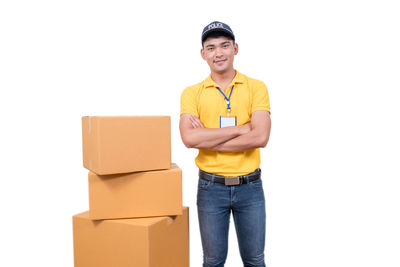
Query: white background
[{"x": 331, "y": 168}]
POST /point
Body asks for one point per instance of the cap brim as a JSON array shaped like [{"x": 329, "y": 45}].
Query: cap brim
[{"x": 207, "y": 33}]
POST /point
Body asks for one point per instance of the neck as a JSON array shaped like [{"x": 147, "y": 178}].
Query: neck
[{"x": 223, "y": 79}]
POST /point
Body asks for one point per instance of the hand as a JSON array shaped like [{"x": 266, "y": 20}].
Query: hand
[
  {"x": 196, "y": 123},
  {"x": 245, "y": 128}
]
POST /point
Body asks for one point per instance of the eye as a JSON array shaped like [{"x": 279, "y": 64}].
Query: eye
[{"x": 210, "y": 49}]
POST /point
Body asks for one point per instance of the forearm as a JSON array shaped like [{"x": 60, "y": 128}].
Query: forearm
[
  {"x": 195, "y": 135},
  {"x": 206, "y": 138},
  {"x": 251, "y": 140}
]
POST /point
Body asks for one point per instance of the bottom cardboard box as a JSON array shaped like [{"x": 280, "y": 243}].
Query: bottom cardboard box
[{"x": 140, "y": 242}]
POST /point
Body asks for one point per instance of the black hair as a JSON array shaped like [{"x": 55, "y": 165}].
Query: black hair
[{"x": 216, "y": 35}]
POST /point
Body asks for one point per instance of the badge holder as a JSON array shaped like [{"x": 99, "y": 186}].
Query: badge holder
[{"x": 227, "y": 121}]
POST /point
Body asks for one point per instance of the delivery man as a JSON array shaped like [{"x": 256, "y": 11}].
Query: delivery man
[{"x": 227, "y": 118}]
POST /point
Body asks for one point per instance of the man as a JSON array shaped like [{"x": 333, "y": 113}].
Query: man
[{"x": 227, "y": 118}]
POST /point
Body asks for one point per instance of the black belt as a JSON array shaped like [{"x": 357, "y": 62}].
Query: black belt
[{"x": 231, "y": 180}]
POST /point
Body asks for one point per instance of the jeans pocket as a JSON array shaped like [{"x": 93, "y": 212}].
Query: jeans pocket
[
  {"x": 203, "y": 184},
  {"x": 256, "y": 184}
]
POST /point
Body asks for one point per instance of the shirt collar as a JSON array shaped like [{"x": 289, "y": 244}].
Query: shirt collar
[{"x": 239, "y": 78}]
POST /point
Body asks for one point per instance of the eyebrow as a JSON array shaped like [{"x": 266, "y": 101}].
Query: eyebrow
[{"x": 212, "y": 45}]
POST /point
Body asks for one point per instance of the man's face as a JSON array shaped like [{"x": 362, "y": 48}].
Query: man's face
[{"x": 219, "y": 53}]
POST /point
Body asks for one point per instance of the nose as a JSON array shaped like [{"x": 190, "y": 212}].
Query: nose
[{"x": 218, "y": 52}]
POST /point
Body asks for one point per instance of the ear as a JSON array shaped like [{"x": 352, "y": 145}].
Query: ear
[
  {"x": 202, "y": 53},
  {"x": 236, "y": 48}
]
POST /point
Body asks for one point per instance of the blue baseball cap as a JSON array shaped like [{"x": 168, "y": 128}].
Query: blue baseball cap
[{"x": 216, "y": 26}]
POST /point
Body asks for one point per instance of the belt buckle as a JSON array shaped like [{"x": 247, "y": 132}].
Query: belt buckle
[{"x": 232, "y": 180}]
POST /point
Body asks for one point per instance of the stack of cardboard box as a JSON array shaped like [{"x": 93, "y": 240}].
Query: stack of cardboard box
[{"x": 135, "y": 216}]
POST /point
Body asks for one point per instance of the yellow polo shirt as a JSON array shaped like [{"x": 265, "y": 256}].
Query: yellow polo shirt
[{"x": 206, "y": 102}]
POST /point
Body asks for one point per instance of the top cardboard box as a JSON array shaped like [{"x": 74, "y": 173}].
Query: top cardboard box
[{"x": 124, "y": 144}]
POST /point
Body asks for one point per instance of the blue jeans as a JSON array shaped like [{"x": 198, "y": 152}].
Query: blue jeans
[{"x": 215, "y": 202}]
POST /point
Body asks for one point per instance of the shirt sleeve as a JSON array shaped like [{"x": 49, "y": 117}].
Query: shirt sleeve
[
  {"x": 189, "y": 102},
  {"x": 260, "y": 98}
]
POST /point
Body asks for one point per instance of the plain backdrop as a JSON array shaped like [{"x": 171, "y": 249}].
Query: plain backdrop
[{"x": 331, "y": 168}]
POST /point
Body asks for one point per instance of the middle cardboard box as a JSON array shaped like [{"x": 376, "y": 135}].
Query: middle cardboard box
[{"x": 138, "y": 194}]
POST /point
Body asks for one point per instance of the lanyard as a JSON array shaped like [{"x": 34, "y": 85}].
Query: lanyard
[{"x": 227, "y": 99}]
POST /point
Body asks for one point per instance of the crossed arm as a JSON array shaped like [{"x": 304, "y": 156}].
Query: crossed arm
[{"x": 235, "y": 138}]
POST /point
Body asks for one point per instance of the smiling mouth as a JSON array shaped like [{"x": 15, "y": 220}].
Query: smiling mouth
[{"x": 219, "y": 61}]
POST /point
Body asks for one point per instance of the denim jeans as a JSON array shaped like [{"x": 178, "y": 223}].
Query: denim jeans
[{"x": 215, "y": 202}]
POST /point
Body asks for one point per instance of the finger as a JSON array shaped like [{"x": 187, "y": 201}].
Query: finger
[
  {"x": 199, "y": 124},
  {"x": 196, "y": 119}
]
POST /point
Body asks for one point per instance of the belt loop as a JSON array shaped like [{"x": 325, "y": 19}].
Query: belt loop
[{"x": 212, "y": 178}]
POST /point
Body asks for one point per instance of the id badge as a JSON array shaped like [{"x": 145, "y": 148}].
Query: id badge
[{"x": 227, "y": 121}]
